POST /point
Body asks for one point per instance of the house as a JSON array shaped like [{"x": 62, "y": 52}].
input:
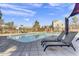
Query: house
[{"x": 58, "y": 25}]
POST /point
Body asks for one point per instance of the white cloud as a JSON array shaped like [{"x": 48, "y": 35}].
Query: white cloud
[
  {"x": 10, "y": 12},
  {"x": 17, "y": 10},
  {"x": 54, "y": 4},
  {"x": 36, "y": 4},
  {"x": 26, "y": 19}
]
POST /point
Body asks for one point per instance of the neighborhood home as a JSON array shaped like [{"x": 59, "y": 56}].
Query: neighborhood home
[{"x": 58, "y": 25}]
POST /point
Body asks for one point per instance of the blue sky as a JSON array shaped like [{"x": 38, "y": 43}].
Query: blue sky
[{"x": 26, "y": 13}]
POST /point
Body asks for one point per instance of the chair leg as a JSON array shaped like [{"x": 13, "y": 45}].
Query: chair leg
[
  {"x": 45, "y": 48},
  {"x": 41, "y": 42},
  {"x": 73, "y": 47},
  {"x": 77, "y": 39}
]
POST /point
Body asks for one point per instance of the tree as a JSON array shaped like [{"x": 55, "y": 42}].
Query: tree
[
  {"x": 36, "y": 25},
  {"x": 74, "y": 21},
  {"x": 10, "y": 24},
  {"x": 1, "y": 22},
  {"x": 10, "y": 27},
  {"x": 0, "y": 14},
  {"x": 52, "y": 26}
]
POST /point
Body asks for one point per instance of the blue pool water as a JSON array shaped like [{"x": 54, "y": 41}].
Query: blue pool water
[{"x": 29, "y": 37}]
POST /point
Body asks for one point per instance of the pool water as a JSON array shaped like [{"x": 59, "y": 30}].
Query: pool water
[{"x": 29, "y": 37}]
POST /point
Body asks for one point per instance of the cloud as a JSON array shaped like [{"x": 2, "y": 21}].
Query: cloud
[
  {"x": 36, "y": 4},
  {"x": 16, "y": 13},
  {"x": 26, "y": 19},
  {"x": 17, "y": 10},
  {"x": 54, "y": 4}
]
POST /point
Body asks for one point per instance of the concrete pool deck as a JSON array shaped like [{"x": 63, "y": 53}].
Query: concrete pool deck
[{"x": 15, "y": 48}]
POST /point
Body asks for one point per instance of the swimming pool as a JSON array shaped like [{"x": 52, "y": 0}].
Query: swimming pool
[{"x": 30, "y": 37}]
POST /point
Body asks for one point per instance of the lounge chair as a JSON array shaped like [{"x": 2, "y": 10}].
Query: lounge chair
[
  {"x": 56, "y": 39},
  {"x": 77, "y": 39},
  {"x": 66, "y": 42}
]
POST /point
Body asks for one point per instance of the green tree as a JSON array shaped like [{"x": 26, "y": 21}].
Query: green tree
[
  {"x": 36, "y": 25},
  {"x": 52, "y": 26},
  {"x": 10, "y": 27},
  {"x": 0, "y": 14},
  {"x": 74, "y": 21},
  {"x": 1, "y": 21},
  {"x": 10, "y": 24}
]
